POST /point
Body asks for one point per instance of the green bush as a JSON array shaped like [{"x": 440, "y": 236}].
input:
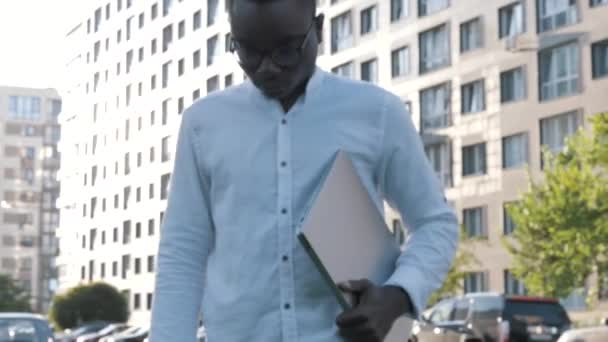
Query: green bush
[
  {"x": 13, "y": 297},
  {"x": 87, "y": 303}
]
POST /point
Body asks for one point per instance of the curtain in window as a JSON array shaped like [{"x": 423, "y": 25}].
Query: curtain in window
[
  {"x": 434, "y": 47},
  {"x": 473, "y": 97},
  {"x": 516, "y": 21}
]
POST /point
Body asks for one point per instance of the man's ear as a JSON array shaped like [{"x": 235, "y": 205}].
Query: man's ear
[{"x": 319, "y": 26}]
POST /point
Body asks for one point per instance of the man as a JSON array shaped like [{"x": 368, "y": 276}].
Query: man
[{"x": 248, "y": 161}]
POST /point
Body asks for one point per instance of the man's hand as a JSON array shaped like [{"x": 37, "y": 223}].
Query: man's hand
[{"x": 374, "y": 311}]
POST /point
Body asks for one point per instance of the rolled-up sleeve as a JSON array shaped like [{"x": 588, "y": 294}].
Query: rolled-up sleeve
[
  {"x": 185, "y": 242},
  {"x": 410, "y": 186}
]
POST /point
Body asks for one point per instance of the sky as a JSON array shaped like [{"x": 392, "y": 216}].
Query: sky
[{"x": 32, "y": 40}]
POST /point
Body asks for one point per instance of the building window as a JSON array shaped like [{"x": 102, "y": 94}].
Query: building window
[
  {"x": 513, "y": 286},
  {"x": 511, "y": 20},
  {"x": 150, "y": 263},
  {"x": 141, "y": 20},
  {"x": 555, "y": 129},
  {"x": 167, "y": 7},
  {"x": 514, "y": 151},
  {"x": 129, "y": 21},
  {"x": 180, "y": 67},
  {"x": 126, "y": 232},
  {"x": 595, "y": 3},
  {"x": 24, "y": 107},
  {"x": 167, "y": 37},
  {"x": 434, "y": 49},
  {"x": 196, "y": 20},
  {"x": 151, "y": 221},
  {"x": 399, "y": 9},
  {"x": 553, "y": 14},
  {"x": 474, "y": 222},
  {"x": 154, "y": 11},
  {"x": 180, "y": 105},
  {"x": 213, "y": 84},
  {"x": 435, "y": 107},
  {"x": 196, "y": 59},
  {"x": 344, "y": 70},
  {"x": 474, "y": 160},
  {"x": 428, "y": 7},
  {"x": 369, "y": 70},
  {"x": 196, "y": 95},
  {"x": 508, "y": 225},
  {"x": 181, "y": 29},
  {"x": 512, "y": 85},
  {"x": 473, "y": 97},
  {"x": 559, "y": 71},
  {"x": 114, "y": 268},
  {"x": 212, "y": 52},
  {"x": 153, "y": 47},
  {"x": 228, "y": 80},
  {"x": 166, "y": 69},
  {"x": 471, "y": 35},
  {"x": 149, "y": 301},
  {"x": 599, "y": 52},
  {"x": 212, "y": 7},
  {"x": 400, "y": 62},
  {"x": 137, "y": 265},
  {"x": 341, "y": 32},
  {"x": 475, "y": 282},
  {"x": 369, "y": 20},
  {"x": 164, "y": 186},
  {"x": 165, "y": 111},
  {"x": 440, "y": 158}
]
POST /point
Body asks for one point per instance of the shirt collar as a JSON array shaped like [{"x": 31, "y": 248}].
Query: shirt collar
[{"x": 313, "y": 85}]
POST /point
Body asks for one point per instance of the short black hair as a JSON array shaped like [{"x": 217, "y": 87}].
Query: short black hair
[{"x": 231, "y": 4}]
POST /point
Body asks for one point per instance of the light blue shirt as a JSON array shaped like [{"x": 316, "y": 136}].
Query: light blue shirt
[{"x": 244, "y": 175}]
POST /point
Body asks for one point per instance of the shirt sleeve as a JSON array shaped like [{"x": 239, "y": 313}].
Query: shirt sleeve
[
  {"x": 185, "y": 241},
  {"x": 410, "y": 186}
]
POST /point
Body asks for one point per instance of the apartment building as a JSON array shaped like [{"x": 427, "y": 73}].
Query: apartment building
[
  {"x": 28, "y": 189},
  {"x": 487, "y": 82}
]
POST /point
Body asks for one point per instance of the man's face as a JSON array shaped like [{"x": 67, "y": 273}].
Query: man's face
[{"x": 274, "y": 30}]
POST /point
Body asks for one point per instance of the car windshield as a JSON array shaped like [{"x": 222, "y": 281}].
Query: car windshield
[
  {"x": 18, "y": 330},
  {"x": 536, "y": 312}
]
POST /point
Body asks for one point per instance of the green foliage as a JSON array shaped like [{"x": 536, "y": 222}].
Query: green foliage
[
  {"x": 12, "y": 297},
  {"x": 454, "y": 281},
  {"x": 87, "y": 303},
  {"x": 562, "y": 221}
]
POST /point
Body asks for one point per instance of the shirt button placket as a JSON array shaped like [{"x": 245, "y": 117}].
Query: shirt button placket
[{"x": 285, "y": 233}]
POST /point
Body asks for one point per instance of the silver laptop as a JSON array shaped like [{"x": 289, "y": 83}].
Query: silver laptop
[{"x": 346, "y": 236}]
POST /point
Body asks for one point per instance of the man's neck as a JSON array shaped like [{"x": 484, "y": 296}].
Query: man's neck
[{"x": 291, "y": 99}]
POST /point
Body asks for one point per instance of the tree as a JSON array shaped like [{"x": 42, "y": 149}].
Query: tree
[
  {"x": 453, "y": 284},
  {"x": 13, "y": 297},
  {"x": 87, "y": 303},
  {"x": 562, "y": 221}
]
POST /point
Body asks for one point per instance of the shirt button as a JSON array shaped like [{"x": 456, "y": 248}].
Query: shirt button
[
  {"x": 283, "y": 211},
  {"x": 285, "y": 258},
  {"x": 284, "y": 121},
  {"x": 283, "y": 164},
  {"x": 287, "y": 306}
]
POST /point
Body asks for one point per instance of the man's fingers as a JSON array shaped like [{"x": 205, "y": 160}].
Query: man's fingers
[
  {"x": 351, "y": 318},
  {"x": 355, "y": 285},
  {"x": 362, "y": 332}
]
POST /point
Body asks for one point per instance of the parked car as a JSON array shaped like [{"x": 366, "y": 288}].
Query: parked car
[
  {"x": 28, "y": 327},
  {"x": 591, "y": 334},
  {"x": 490, "y": 317},
  {"x": 111, "y": 329},
  {"x": 84, "y": 329},
  {"x": 137, "y": 334}
]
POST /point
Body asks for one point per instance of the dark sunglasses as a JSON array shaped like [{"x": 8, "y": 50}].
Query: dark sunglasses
[{"x": 286, "y": 56}]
